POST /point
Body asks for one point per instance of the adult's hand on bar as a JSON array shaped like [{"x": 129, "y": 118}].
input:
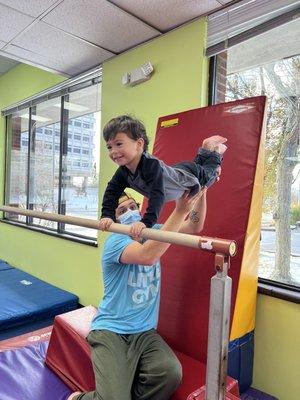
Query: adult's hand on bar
[{"x": 105, "y": 223}]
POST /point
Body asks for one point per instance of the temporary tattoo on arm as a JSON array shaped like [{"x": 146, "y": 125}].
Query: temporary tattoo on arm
[{"x": 194, "y": 216}]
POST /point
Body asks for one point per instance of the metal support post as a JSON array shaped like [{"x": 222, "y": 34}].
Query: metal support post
[{"x": 218, "y": 330}]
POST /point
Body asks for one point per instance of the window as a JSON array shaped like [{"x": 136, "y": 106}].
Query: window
[
  {"x": 44, "y": 169},
  {"x": 81, "y": 192},
  {"x": 267, "y": 67},
  {"x": 17, "y": 169}
]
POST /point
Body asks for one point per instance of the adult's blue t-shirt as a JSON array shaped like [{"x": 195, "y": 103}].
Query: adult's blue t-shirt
[{"x": 131, "y": 292}]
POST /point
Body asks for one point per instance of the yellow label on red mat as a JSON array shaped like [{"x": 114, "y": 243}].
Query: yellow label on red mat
[{"x": 169, "y": 122}]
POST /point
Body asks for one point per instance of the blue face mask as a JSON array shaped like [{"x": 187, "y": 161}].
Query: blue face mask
[{"x": 129, "y": 217}]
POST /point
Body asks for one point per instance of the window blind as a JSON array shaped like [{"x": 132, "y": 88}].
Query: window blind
[{"x": 245, "y": 19}]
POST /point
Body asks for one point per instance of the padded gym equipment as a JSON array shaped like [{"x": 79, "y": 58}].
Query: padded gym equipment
[
  {"x": 28, "y": 303},
  {"x": 234, "y": 212},
  {"x": 234, "y": 209},
  {"x": 69, "y": 356},
  {"x": 23, "y": 375}
]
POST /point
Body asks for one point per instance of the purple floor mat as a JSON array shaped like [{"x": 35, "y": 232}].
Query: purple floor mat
[
  {"x": 254, "y": 394},
  {"x": 24, "y": 376}
]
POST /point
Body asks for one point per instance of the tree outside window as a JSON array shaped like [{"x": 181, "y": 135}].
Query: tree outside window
[{"x": 279, "y": 79}]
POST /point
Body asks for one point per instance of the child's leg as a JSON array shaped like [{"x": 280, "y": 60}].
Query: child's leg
[
  {"x": 203, "y": 155},
  {"x": 208, "y": 163},
  {"x": 212, "y": 144},
  {"x": 192, "y": 169}
]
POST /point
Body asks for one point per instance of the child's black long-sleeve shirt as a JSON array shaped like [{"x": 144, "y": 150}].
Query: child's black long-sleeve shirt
[{"x": 159, "y": 182}]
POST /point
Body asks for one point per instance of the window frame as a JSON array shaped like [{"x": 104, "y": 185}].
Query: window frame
[
  {"x": 265, "y": 286},
  {"x": 59, "y": 231},
  {"x": 279, "y": 290}
]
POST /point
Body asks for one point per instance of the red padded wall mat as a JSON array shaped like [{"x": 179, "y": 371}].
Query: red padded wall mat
[{"x": 186, "y": 272}]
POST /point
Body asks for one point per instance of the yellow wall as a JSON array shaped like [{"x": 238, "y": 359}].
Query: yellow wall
[
  {"x": 179, "y": 83},
  {"x": 277, "y": 348}
]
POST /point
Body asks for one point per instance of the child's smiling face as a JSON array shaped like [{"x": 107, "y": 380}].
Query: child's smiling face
[{"x": 125, "y": 151}]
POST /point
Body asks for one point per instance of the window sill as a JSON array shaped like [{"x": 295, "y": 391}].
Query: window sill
[
  {"x": 279, "y": 290},
  {"x": 65, "y": 236}
]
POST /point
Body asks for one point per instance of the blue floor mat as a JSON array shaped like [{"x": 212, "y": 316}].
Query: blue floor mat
[{"x": 26, "y": 301}]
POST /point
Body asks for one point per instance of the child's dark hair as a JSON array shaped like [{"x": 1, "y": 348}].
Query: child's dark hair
[{"x": 126, "y": 124}]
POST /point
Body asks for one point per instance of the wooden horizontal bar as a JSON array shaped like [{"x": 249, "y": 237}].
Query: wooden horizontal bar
[{"x": 213, "y": 245}]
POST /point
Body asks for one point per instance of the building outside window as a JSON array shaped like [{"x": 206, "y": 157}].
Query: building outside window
[
  {"x": 47, "y": 169},
  {"x": 270, "y": 66}
]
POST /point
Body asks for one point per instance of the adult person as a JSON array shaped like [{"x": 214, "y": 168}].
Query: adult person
[{"x": 131, "y": 361}]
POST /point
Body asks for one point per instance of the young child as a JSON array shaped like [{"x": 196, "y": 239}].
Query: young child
[{"x": 127, "y": 144}]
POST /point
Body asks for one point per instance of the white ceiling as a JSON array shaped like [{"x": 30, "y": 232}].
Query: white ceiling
[
  {"x": 6, "y": 64},
  {"x": 72, "y": 36}
]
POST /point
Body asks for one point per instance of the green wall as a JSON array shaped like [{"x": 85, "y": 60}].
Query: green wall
[
  {"x": 18, "y": 84},
  {"x": 178, "y": 83},
  {"x": 277, "y": 348},
  {"x": 66, "y": 264}
]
